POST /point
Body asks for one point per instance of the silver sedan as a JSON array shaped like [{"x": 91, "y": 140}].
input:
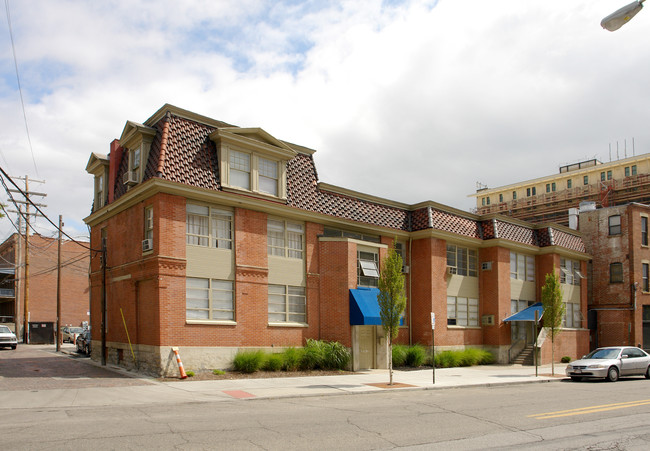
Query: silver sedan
[{"x": 610, "y": 363}]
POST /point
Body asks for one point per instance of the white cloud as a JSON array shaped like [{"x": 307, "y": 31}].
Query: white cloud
[{"x": 409, "y": 100}]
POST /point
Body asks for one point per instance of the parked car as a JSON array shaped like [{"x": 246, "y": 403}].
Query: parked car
[
  {"x": 7, "y": 338},
  {"x": 83, "y": 342},
  {"x": 70, "y": 334},
  {"x": 610, "y": 363}
]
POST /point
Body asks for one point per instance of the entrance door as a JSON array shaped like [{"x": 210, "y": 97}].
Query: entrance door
[
  {"x": 367, "y": 346},
  {"x": 646, "y": 327}
]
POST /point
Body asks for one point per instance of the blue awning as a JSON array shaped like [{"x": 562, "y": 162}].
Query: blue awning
[
  {"x": 528, "y": 314},
  {"x": 364, "y": 308}
]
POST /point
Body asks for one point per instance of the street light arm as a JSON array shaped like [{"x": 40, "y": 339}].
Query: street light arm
[{"x": 622, "y": 16}]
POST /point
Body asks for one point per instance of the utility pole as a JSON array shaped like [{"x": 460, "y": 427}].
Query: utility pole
[
  {"x": 58, "y": 290},
  {"x": 27, "y": 213}
]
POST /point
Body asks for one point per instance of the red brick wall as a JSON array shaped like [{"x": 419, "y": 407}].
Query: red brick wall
[
  {"x": 570, "y": 342},
  {"x": 494, "y": 287},
  {"x": 429, "y": 290},
  {"x": 338, "y": 274},
  {"x": 75, "y": 294}
]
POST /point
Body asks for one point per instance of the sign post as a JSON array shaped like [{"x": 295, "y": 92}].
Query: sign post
[{"x": 433, "y": 345}]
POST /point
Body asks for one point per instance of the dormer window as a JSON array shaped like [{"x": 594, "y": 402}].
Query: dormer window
[
  {"x": 136, "y": 138},
  {"x": 99, "y": 191},
  {"x": 268, "y": 177},
  {"x": 252, "y": 160},
  {"x": 240, "y": 169}
]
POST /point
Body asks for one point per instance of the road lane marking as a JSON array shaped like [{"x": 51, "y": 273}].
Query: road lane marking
[{"x": 591, "y": 409}]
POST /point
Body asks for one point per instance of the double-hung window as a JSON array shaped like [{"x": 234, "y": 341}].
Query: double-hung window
[
  {"x": 461, "y": 260},
  {"x": 285, "y": 238},
  {"x": 614, "y": 225},
  {"x": 148, "y": 223},
  {"x": 644, "y": 230},
  {"x": 287, "y": 304},
  {"x": 268, "y": 180},
  {"x": 208, "y": 227},
  {"x": 645, "y": 277},
  {"x": 615, "y": 272},
  {"x": 522, "y": 267},
  {"x": 99, "y": 189},
  {"x": 462, "y": 311},
  {"x": 240, "y": 169},
  {"x": 209, "y": 299}
]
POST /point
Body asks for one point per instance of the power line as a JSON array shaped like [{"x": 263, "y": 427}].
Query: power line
[
  {"x": 20, "y": 89},
  {"x": 2, "y": 171}
]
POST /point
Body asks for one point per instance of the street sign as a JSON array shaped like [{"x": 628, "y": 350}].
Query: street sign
[{"x": 433, "y": 321}]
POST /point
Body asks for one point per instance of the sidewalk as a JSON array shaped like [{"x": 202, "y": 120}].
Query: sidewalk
[{"x": 151, "y": 391}]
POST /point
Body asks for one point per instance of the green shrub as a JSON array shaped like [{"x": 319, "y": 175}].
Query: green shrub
[
  {"x": 218, "y": 372},
  {"x": 312, "y": 357},
  {"x": 399, "y": 355},
  {"x": 336, "y": 356},
  {"x": 190, "y": 373},
  {"x": 470, "y": 357},
  {"x": 415, "y": 356},
  {"x": 291, "y": 358},
  {"x": 565, "y": 359},
  {"x": 487, "y": 358},
  {"x": 447, "y": 359},
  {"x": 248, "y": 361},
  {"x": 273, "y": 362}
]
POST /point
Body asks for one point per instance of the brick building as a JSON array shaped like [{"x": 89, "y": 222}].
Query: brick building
[
  {"x": 619, "y": 293},
  {"x": 220, "y": 238},
  {"x": 41, "y": 301}
]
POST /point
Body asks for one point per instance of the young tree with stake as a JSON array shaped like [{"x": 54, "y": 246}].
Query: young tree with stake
[
  {"x": 392, "y": 300},
  {"x": 554, "y": 310}
]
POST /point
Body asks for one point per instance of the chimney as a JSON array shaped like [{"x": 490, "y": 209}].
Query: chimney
[
  {"x": 573, "y": 218},
  {"x": 114, "y": 160}
]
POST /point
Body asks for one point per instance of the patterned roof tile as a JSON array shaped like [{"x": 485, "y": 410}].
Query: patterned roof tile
[{"x": 191, "y": 158}]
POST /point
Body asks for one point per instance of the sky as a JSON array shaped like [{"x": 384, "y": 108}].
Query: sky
[{"x": 409, "y": 100}]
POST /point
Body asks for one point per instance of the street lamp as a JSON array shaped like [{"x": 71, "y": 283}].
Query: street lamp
[{"x": 619, "y": 18}]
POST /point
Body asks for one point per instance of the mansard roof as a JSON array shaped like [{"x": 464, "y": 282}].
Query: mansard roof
[{"x": 182, "y": 151}]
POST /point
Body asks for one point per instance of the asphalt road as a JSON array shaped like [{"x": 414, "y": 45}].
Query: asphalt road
[{"x": 557, "y": 415}]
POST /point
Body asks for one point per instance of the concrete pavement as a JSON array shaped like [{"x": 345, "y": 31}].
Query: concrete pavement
[{"x": 115, "y": 386}]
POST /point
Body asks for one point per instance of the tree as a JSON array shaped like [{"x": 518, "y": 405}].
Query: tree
[
  {"x": 392, "y": 300},
  {"x": 554, "y": 310}
]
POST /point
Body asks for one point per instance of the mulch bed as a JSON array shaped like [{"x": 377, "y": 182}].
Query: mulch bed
[{"x": 230, "y": 375}]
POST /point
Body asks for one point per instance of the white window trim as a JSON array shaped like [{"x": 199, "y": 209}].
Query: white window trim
[
  {"x": 286, "y": 230},
  {"x": 213, "y": 211},
  {"x": 254, "y": 182},
  {"x": 210, "y": 304},
  {"x": 286, "y": 305}
]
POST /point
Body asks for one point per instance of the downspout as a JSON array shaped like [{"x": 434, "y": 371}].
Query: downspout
[{"x": 410, "y": 291}]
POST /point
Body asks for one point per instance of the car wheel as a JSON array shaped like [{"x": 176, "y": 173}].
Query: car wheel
[
  {"x": 14, "y": 347},
  {"x": 647, "y": 373},
  {"x": 576, "y": 378},
  {"x": 86, "y": 350},
  {"x": 612, "y": 374}
]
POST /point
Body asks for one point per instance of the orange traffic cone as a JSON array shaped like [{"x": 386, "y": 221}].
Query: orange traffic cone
[{"x": 180, "y": 364}]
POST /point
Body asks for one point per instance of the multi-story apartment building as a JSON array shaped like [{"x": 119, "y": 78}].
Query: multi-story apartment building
[
  {"x": 220, "y": 238},
  {"x": 619, "y": 290},
  {"x": 549, "y": 198},
  {"x": 42, "y": 285}
]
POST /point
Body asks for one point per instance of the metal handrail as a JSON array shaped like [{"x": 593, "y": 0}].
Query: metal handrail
[{"x": 516, "y": 343}]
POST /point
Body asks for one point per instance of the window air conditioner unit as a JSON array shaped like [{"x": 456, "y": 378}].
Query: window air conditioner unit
[
  {"x": 487, "y": 320},
  {"x": 486, "y": 266},
  {"x": 405, "y": 269},
  {"x": 130, "y": 178},
  {"x": 147, "y": 245},
  {"x": 451, "y": 270}
]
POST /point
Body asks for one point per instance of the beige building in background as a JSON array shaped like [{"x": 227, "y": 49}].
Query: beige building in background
[{"x": 549, "y": 198}]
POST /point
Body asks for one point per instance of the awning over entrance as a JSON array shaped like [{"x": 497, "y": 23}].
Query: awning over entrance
[
  {"x": 364, "y": 308},
  {"x": 527, "y": 314}
]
